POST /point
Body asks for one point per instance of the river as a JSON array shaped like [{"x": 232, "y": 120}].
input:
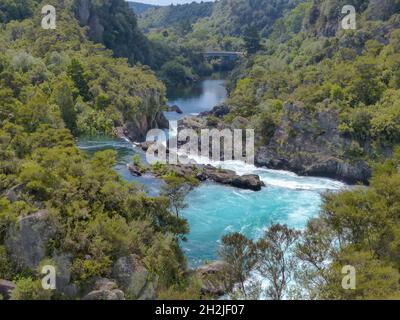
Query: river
[{"x": 215, "y": 210}]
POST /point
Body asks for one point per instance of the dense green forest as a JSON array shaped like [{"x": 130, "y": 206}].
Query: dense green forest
[
  {"x": 175, "y": 16},
  {"x": 57, "y": 84},
  {"x": 139, "y": 7}
]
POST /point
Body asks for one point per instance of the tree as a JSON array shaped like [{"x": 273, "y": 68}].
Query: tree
[
  {"x": 185, "y": 26},
  {"x": 175, "y": 73},
  {"x": 251, "y": 39},
  {"x": 239, "y": 254},
  {"x": 176, "y": 190},
  {"x": 374, "y": 278},
  {"x": 275, "y": 259},
  {"x": 314, "y": 249},
  {"x": 366, "y": 84}
]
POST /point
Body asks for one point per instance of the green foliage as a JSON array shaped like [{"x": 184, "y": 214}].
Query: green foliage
[
  {"x": 325, "y": 68},
  {"x": 7, "y": 269},
  {"x": 175, "y": 73},
  {"x": 80, "y": 79},
  {"x": 275, "y": 259},
  {"x": 231, "y": 17},
  {"x": 176, "y": 190},
  {"x": 165, "y": 260},
  {"x": 189, "y": 290},
  {"x": 16, "y": 9},
  {"x": 375, "y": 279},
  {"x": 137, "y": 161},
  {"x": 93, "y": 91},
  {"x": 238, "y": 252},
  {"x": 363, "y": 225},
  {"x": 119, "y": 30},
  {"x": 62, "y": 96}
]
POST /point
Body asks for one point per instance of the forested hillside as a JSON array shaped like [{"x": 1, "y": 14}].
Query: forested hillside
[
  {"x": 343, "y": 81},
  {"x": 216, "y": 25},
  {"x": 231, "y": 17},
  {"x": 114, "y": 24},
  {"x": 139, "y": 7},
  {"x": 178, "y": 16}
]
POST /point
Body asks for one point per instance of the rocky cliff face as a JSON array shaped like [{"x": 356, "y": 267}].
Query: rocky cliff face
[
  {"x": 149, "y": 116},
  {"x": 325, "y": 15},
  {"x": 28, "y": 242},
  {"x": 309, "y": 143},
  {"x": 113, "y": 24}
]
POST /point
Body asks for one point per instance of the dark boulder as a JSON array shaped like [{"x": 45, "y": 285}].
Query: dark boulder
[
  {"x": 174, "y": 108},
  {"x": 135, "y": 170},
  {"x": 28, "y": 239},
  {"x": 229, "y": 177},
  {"x": 359, "y": 171},
  {"x": 146, "y": 145},
  {"x": 212, "y": 277},
  {"x": 134, "y": 278},
  {"x": 218, "y": 111}
]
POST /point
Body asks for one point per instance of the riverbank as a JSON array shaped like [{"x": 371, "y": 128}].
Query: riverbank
[{"x": 214, "y": 209}]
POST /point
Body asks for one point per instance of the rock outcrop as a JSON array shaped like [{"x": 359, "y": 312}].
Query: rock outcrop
[
  {"x": 114, "y": 24},
  {"x": 324, "y": 19},
  {"x": 212, "y": 278},
  {"x": 150, "y": 117},
  {"x": 6, "y": 288},
  {"x": 63, "y": 262},
  {"x": 174, "y": 108},
  {"x": 309, "y": 143},
  {"x": 218, "y": 111},
  {"x": 229, "y": 177},
  {"x": 134, "y": 278},
  {"x": 105, "y": 289},
  {"x": 208, "y": 172},
  {"x": 27, "y": 240}
]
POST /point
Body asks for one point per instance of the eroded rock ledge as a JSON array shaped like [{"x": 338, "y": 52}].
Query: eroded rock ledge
[
  {"x": 304, "y": 141},
  {"x": 208, "y": 172}
]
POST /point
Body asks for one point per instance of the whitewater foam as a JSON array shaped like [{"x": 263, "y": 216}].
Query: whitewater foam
[{"x": 277, "y": 178}]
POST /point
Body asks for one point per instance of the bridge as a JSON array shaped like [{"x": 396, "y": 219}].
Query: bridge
[{"x": 223, "y": 54}]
